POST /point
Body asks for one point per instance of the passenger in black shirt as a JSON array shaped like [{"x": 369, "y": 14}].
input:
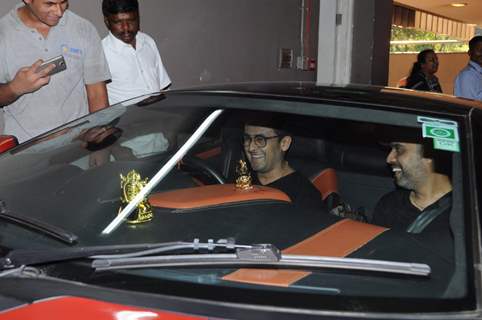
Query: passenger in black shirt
[
  {"x": 265, "y": 149},
  {"x": 424, "y": 200}
]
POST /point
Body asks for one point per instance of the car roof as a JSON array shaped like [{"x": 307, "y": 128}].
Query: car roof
[{"x": 374, "y": 95}]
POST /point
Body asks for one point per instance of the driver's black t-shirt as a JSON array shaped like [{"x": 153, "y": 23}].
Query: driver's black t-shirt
[
  {"x": 395, "y": 211},
  {"x": 301, "y": 191}
]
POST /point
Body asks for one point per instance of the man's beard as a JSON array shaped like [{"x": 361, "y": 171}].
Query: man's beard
[{"x": 409, "y": 179}]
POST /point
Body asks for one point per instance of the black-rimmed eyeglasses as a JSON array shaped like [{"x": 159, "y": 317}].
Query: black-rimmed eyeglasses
[{"x": 259, "y": 140}]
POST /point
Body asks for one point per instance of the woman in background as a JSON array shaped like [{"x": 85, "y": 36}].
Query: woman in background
[{"x": 422, "y": 77}]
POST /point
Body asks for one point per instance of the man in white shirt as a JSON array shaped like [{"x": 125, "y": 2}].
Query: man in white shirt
[
  {"x": 468, "y": 83},
  {"x": 134, "y": 61}
]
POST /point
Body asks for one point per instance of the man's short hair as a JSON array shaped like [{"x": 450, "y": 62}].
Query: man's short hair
[
  {"x": 269, "y": 121},
  {"x": 110, "y": 7},
  {"x": 473, "y": 42},
  {"x": 442, "y": 160}
]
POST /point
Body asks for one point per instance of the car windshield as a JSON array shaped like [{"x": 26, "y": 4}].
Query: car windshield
[{"x": 73, "y": 183}]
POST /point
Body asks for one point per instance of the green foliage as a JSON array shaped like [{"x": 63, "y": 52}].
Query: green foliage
[{"x": 399, "y": 33}]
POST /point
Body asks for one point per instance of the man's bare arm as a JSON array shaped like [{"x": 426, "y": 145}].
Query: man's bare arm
[
  {"x": 7, "y": 96},
  {"x": 97, "y": 96},
  {"x": 26, "y": 80}
]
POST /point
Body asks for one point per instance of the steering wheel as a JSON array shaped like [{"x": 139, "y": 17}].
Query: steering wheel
[{"x": 193, "y": 164}]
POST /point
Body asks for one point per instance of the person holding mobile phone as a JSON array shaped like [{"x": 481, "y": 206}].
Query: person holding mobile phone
[
  {"x": 38, "y": 97},
  {"x": 134, "y": 60}
]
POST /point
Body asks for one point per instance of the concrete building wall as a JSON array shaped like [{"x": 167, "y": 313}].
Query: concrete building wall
[
  {"x": 449, "y": 67},
  {"x": 213, "y": 41}
]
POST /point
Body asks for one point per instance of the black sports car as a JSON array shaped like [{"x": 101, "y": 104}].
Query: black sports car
[{"x": 145, "y": 206}]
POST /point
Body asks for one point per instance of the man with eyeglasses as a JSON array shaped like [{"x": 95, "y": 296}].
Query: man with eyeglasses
[{"x": 266, "y": 149}]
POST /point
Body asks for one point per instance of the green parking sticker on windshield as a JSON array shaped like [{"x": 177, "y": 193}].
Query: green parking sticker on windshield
[
  {"x": 432, "y": 130},
  {"x": 444, "y": 133}
]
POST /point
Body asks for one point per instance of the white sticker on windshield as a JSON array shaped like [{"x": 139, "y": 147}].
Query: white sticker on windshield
[
  {"x": 435, "y": 120},
  {"x": 447, "y": 145}
]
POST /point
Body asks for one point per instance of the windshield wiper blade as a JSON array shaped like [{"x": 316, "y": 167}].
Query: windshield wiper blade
[
  {"x": 21, "y": 257},
  {"x": 196, "y": 245},
  {"x": 37, "y": 225},
  {"x": 140, "y": 256},
  {"x": 261, "y": 255}
]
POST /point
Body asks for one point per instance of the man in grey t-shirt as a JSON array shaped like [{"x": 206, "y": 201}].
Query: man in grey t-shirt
[{"x": 35, "y": 31}]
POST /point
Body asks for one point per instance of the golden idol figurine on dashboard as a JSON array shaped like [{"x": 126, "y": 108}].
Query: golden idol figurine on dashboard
[
  {"x": 243, "y": 181},
  {"x": 131, "y": 185}
]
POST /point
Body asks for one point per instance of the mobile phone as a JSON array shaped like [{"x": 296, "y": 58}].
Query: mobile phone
[{"x": 59, "y": 63}]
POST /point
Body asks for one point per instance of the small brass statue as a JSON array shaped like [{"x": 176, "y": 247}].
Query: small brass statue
[
  {"x": 131, "y": 185},
  {"x": 243, "y": 181}
]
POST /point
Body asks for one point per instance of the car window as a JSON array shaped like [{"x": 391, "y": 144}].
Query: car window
[{"x": 358, "y": 160}]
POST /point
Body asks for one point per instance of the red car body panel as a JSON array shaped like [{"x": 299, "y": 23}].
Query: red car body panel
[{"x": 75, "y": 308}]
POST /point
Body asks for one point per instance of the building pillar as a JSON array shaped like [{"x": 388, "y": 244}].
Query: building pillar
[{"x": 354, "y": 41}]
